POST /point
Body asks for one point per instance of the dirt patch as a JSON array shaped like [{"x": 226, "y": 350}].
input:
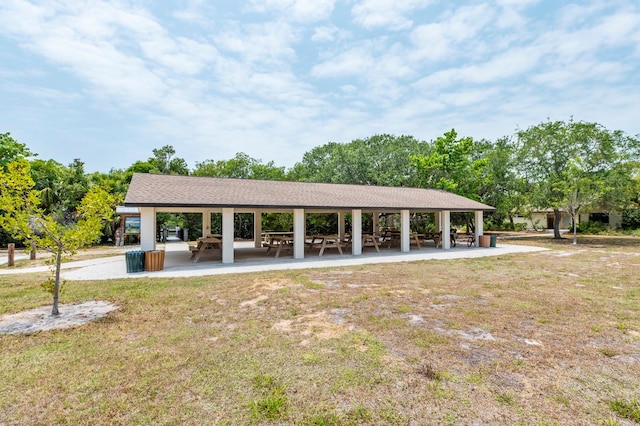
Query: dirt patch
[
  {"x": 321, "y": 325},
  {"x": 261, "y": 285},
  {"x": 40, "y": 319}
]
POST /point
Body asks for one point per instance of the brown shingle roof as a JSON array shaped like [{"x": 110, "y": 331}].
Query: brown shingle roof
[{"x": 150, "y": 190}]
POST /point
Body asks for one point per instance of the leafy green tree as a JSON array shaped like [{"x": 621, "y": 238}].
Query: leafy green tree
[
  {"x": 453, "y": 166},
  {"x": 163, "y": 162},
  {"x": 383, "y": 160},
  {"x": 456, "y": 165},
  {"x": 12, "y": 150},
  {"x": 569, "y": 165},
  {"x": 242, "y": 166},
  {"x": 61, "y": 188},
  {"x": 503, "y": 188},
  {"x": 25, "y": 219}
]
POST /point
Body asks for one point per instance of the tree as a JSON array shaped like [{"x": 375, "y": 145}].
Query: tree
[
  {"x": 567, "y": 164},
  {"x": 62, "y": 235},
  {"x": 383, "y": 160},
  {"x": 11, "y": 150},
  {"x": 582, "y": 190},
  {"x": 164, "y": 163},
  {"x": 502, "y": 189},
  {"x": 453, "y": 166},
  {"x": 242, "y": 166}
]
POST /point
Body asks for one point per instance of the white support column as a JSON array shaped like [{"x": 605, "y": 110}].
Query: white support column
[
  {"x": 446, "y": 229},
  {"x": 147, "y": 228},
  {"x": 375, "y": 218},
  {"x": 227, "y": 235},
  {"x": 206, "y": 223},
  {"x": 298, "y": 233},
  {"x": 257, "y": 229},
  {"x": 356, "y": 232},
  {"x": 479, "y": 227},
  {"x": 405, "y": 231},
  {"x": 341, "y": 225}
]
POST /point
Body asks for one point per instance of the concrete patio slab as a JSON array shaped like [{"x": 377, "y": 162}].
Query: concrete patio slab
[{"x": 248, "y": 260}]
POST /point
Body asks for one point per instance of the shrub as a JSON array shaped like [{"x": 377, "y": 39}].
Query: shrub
[
  {"x": 590, "y": 227},
  {"x": 630, "y": 219}
]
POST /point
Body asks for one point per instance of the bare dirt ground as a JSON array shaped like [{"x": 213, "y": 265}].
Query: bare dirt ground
[{"x": 40, "y": 319}]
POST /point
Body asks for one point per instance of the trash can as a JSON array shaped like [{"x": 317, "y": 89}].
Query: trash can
[
  {"x": 494, "y": 238},
  {"x": 135, "y": 261},
  {"x": 485, "y": 241},
  {"x": 185, "y": 234},
  {"x": 154, "y": 260}
]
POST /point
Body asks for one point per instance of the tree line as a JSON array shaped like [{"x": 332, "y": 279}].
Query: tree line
[{"x": 571, "y": 166}]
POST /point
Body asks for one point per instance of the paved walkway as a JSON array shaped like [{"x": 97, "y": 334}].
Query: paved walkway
[{"x": 178, "y": 264}]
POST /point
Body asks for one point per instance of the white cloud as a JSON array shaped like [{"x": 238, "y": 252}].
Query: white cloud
[
  {"x": 43, "y": 94},
  {"x": 510, "y": 64},
  {"x": 329, "y": 34},
  {"x": 196, "y": 11},
  {"x": 453, "y": 36},
  {"x": 295, "y": 10},
  {"x": 352, "y": 62},
  {"x": 267, "y": 44},
  {"x": 275, "y": 78},
  {"x": 390, "y": 14}
]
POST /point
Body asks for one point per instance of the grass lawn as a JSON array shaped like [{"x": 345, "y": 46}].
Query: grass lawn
[{"x": 545, "y": 338}]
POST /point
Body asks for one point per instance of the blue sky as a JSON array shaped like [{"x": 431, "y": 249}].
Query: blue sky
[{"x": 108, "y": 81}]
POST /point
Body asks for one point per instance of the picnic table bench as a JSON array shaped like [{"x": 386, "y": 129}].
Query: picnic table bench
[
  {"x": 278, "y": 242},
  {"x": 391, "y": 237},
  {"x": 325, "y": 242},
  {"x": 204, "y": 244},
  {"x": 368, "y": 240},
  {"x": 435, "y": 236}
]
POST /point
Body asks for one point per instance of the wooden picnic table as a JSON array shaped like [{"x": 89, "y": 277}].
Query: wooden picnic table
[
  {"x": 391, "y": 237},
  {"x": 435, "y": 236},
  {"x": 205, "y": 243},
  {"x": 326, "y": 242},
  {"x": 278, "y": 242},
  {"x": 370, "y": 240},
  {"x": 266, "y": 235}
]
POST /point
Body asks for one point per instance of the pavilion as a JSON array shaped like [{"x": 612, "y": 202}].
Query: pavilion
[{"x": 154, "y": 193}]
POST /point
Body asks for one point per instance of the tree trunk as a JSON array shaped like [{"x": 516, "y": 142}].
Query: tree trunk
[
  {"x": 557, "y": 216},
  {"x": 56, "y": 288},
  {"x": 575, "y": 230},
  {"x": 32, "y": 253},
  {"x": 470, "y": 225}
]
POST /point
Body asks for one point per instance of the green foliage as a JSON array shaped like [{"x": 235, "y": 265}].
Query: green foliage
[
  {"x": 12, "y": 150},
  {"x": 241, "y": 166},
  {"x": 628, "y": 410},
  {"x": 277, "y": 221},
  {"x": 61, "y": 188},
  {"x": 272, "y": 404},
  {"x": 383, "y": 160},
  {"x": 164, "y": 163},
  {"x": 630, "y": 219},
  {"x": 61, "y": 235},
  {"x": 49, "y": 285},
  {"x": 577, "y": 166},
  {"x": 592, "y": 227},
  {"x": 453, "y": 166}
]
